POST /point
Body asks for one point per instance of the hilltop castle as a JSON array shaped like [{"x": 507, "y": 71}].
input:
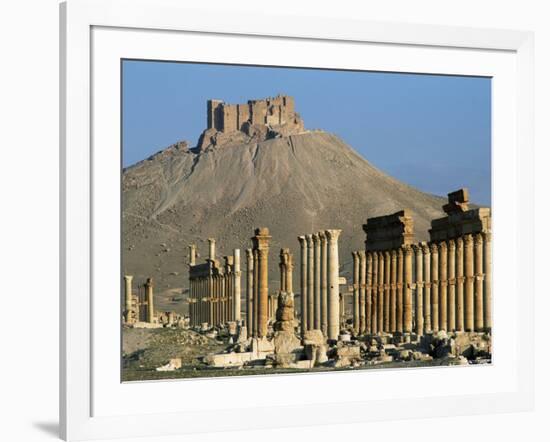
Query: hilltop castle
[{"x": 259, "y": 119}]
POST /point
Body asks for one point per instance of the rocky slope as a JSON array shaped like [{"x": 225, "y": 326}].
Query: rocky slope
[{"x": 294, "y": 185}]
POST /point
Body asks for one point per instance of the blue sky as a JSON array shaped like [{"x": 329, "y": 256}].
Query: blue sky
[{"x": 433, "y": 132}]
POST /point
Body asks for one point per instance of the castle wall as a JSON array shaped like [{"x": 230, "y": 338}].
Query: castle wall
[{"x": 274, "y": 111}]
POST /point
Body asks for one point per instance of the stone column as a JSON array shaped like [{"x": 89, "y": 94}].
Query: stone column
[
  {"x": 303, "y": 285},
  {"x": 369, "y": 293},
  {"x": 317, "y": 279},
  {"x": 210, "y": 298},
  {"x": 459, "y": 284},
  {"x": 211, "y": 249},
  {"x": 255, "y": 293},
  {"x": 150, "y": 303},
  {"x": 407, "y": 299},
  {"x": 451, "y": 295},
  {"x": 393, "y": 292},
  {"x": 334, "y": 284},
  {"x": 419, "y": 289},
  {"x": 289, "y": 267},
  {"x": 128, "y": 307},
  {"x": 478, "y": 287},
  {"x": 487, "y": 269},
  {"x": 380, "y": 313},
  {"x": 427, "y": 289},
  {"x": 262, "y": 239},
  {"x": 282, "y": 271},
  {"x": 469, "y": 295},
  {"x": 443, "y": 286},
  {"x": 192, "y": 254},
  {"x": 223, "y": 298},
  {"x": 310, "y": 284},
  {"x": 237, "y": 285},
  {"x": 435, "y": 286},
  {"x": 399, "y": 302},
  {"x": 324, "y": 299},
  {"x": 249, "y": 291},
  {"x": 362, "y": 286},
  {"x": 355, "y": 291},
  {"x": 374, "y": 307},
  {"x": 342, "y": 301},
  {"x": 387, "y": 273}
]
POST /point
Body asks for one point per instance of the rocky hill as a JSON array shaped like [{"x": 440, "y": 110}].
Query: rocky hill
[{"x": 293, "y": 185}]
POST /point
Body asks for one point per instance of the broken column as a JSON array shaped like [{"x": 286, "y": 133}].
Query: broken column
[
  {"x": 128, "y": 301},
  {"x": 333, "y": 284},
  {"x": 303, "y": 285},
  {"x": 149, "y": 296}
]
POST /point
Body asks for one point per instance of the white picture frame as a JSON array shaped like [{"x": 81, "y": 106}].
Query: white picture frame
[{"x": 96, "y": 33}]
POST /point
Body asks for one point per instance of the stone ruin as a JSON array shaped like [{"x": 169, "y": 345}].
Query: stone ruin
[
  {"x": 260, "y": 120},
  {"x": 411, "y": 301}
]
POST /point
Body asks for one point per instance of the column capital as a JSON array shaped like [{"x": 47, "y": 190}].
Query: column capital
[
  {"x": 433, "y": 248},
  {"x": 425, "y": 248},
  {"x": 487, "y": 236},
  {"x": 393, "y": 254},
  {"x": 128, "y": 277},
  {"x": 315, "y": 238},
  {"x": 468, "y": 239},
  {"x": 333, "y": 234},
  {"x": 459, "y": 243},
  {"x": 322, "y": 236},
  {"x": 442, "y": 246},
  {"x": 452, "y": 244},
  {"x": 478, "y": 239},
  {"x": 362, "y": 254},
  {"x": 302, "y": 240}
]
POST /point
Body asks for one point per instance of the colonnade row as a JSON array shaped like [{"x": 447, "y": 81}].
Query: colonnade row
[
  {"x": 424, "y": 287},
  {"x": 138, "y": 307},
  {"x": 214, "y": 289},
  {"x": 319, "y": 283}
]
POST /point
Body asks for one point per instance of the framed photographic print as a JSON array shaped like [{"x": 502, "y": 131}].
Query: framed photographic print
[{"x": 298, "y": 217}]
